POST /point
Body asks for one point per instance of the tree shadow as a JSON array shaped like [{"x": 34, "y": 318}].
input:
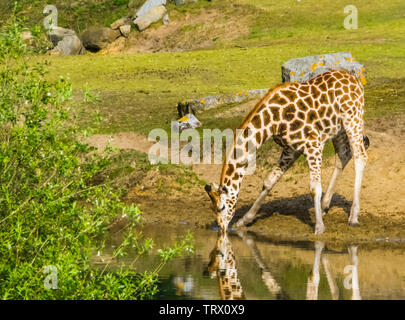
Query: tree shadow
[{"x": 294, "y": 206}]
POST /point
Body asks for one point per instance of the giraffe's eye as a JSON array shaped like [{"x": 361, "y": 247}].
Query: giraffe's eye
[
  {"x": 223, "y": 207},
  {"x": 224, "y": 189}
]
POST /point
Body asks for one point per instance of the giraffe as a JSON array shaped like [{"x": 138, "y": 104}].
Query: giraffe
[
  {"x": 300, "y": 117},
  {"x": 222, "y": 264}
]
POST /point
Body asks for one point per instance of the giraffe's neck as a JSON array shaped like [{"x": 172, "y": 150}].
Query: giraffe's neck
[
  {"x": 249, "y": 137},
  {"x": 224, "y": 264}
]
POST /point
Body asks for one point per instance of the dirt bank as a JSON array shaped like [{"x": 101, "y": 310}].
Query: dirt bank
[{"x": 288, "y": 212}]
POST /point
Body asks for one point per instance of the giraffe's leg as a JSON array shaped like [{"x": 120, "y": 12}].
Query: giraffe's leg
[
  {"x": 287, "y": 159},
  {"x": 354, "y": 268},
  {"x": 313, "y": 279},
  {"x": 314, "y": 159},
  {"x": 342, "y": 157},
  {"x": 356, "y": 140},
  {"x": 334, "y": 289}
]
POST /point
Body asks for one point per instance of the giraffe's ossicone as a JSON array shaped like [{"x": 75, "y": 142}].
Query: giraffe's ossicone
[{"x": 300, "y": 117}]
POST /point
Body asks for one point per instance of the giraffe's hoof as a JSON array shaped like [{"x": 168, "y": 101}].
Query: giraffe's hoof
[
  {"x": 354, "y": 224},
  {"x": 319, "y": 229},
  {"x": 325, "y": 204}
]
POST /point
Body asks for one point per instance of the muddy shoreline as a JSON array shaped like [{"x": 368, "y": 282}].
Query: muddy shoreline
[{"x": 288, "y": 212}]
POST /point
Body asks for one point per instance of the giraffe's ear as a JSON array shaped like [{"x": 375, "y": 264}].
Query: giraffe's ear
[
  {"x": 212, "y": 190},
  {"x": 212, "y": 187}
]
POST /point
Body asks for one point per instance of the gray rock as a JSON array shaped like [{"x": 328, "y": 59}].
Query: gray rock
[
  {"x": 57, "y": 34},
  {"x": 181, "y": 2},
  {"x": 149, "y": 5},
  {"x": 209, "y": 102},
  {"x": 150, "y": 17},
  {"x": 189, "y": 121},
  {"x": 65, "y": 42},
  {"x": 125, "y": 30},
  {"x": 306, "y": 68},
  {"x": 120, "y": 22},
  {"x": 95, "y": 38},
  {"x": 69, "y": 45}
]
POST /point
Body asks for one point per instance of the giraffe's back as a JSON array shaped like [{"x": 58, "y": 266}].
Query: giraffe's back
[{"x": 300, "y": 112}]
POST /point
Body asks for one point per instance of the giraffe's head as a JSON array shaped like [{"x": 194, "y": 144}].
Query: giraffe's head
[{"x": 223, "y": 204}]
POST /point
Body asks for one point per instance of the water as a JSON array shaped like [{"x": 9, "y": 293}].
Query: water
[{"x": 246, "y": 266}]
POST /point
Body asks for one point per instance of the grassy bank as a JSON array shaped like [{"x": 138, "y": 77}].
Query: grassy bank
[
  {"x": 140, "y": 92},
  {"x": 135, "y": 88}
]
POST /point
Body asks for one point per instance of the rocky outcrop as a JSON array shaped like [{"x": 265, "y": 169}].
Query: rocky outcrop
[
  {"x": 99, "y": 38},
  {"x": 65, "y": 42},
  {"x": 306, "y": 68},
  {"x": 96, "y": 38}
]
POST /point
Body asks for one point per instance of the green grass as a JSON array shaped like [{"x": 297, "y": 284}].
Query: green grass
[
  {"x": 311, "y": 21},
  {"x": 139, "y": 92}
]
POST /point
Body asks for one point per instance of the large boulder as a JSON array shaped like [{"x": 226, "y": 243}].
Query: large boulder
[
  {"x": 150, "y": 17},
  {"x": 70, "y": 45},
  {"x": 65, "y": 42},
  {"x": 97, "y": 38},
  {"x": 149, "y": 5},
  {"x": 306, "y": 68}
]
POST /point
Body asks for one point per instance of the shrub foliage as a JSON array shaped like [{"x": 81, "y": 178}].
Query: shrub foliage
[{"x": 52, "y": 210}]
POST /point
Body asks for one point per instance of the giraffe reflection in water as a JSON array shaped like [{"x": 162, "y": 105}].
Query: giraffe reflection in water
[
  {"x": 222, "y": 265},
  {"x": 314, "y": 278}
]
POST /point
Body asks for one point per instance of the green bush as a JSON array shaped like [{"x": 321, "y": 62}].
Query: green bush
[{"x": 52, "y": 210}]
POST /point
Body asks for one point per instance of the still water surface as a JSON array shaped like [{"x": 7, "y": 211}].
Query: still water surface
[{"x": 247, "y": 266}]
